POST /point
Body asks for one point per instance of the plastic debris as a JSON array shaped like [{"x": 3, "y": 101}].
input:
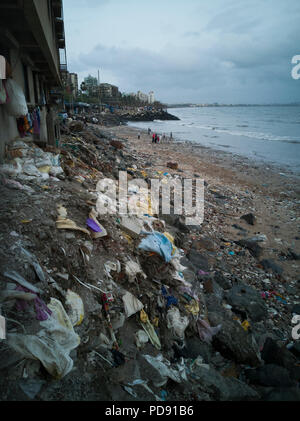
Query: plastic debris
[
  {"x": 98, "y": 230},
  {"x": 20, "y": 280},
  {"x": 76, "y": 314},
  {"x": 157, "y": 243},
  {"x": 162, "y": 365},
  {"x": 206, "y": 332},
  {"x": 133, "y": 269},
  {"x": 132, "y": 304},
  {"x": 176, "y": 322},
  {"x": 52, "y": 344},
  {"x": 149, "y": 329},
  {"x": 141, "y": 338},
  {"x": 245, "y": 325},
  {"x": 64, "y": 223},
  {"x": 42, "y": 311},
  {"x": 193, "y": 307},
  {"x": 170, "y": 300}
]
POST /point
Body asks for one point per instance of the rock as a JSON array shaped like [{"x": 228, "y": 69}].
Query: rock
[
  {"x": 270, "y": 375},
  {"x": 221, "y": 388},
  {"x": 245, "y": 298},
  {"x": 204, "y": 244},
  {"x": 234, "y": 343},
  {"x": 199, "y": 261},
  {"x": 249, "y": 218},
  {"x": 31, "y": 387},
  {"x": 117, "y": 144},
  {"x": 296, "y": 309},
  {"x": 172, "y": 165},
  {"x": 76, "y": 126},
  {"x": 292, "y": 255},
  {"x": 252, "y": 246},
  {"x": 283, "y": 395},
  {"x": 181, "y": 225},
  {"x": 296, "y": 349},
  {"x": 273, "y": 354},
  {"x": 269, "y": 265},
  {"x": 222, "y": 280},
  {"x": 196, "y": 347}
]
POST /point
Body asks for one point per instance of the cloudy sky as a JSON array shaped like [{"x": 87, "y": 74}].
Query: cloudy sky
[{"x": 226, "y": 51}]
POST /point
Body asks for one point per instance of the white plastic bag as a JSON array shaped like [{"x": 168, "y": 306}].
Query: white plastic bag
[
  {"x": 52, "y": 344},
  {"x": 176, "y": 322},
  {"x": 16, "y": 106}
]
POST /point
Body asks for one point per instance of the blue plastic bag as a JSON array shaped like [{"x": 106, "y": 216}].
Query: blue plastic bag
[{"x": 159, "y": 244}]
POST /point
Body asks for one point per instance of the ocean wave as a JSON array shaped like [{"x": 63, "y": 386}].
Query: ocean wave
[{"x": 253, "y": 135}]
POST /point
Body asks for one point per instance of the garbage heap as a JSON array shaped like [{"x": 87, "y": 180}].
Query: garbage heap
[{"x": 99, "y": 306}]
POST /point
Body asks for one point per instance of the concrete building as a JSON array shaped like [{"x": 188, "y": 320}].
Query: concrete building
[
  {"x": 74, "y": 83},
  {"x": 151, "y": 98},
  {"x": 32, "y": 40},
  {"x": 142, "y": 97},
  {"x": 70, "y": 82},
  {"x": 109, "y": 91}
]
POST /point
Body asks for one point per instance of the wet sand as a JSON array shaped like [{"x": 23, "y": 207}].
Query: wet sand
[{"x": 252, "y": 187}]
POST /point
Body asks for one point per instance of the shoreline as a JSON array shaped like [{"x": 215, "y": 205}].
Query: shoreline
[{"x": 273, "y": 198}]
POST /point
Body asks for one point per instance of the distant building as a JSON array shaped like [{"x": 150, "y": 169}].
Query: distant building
[
  {"x": 142, "y": 97},
  {"x": 151, "y": 98},
  {"x": 70, "y": 82},
  {"x": 74, "y": 83},
  {"x": 109, "y": 91}
]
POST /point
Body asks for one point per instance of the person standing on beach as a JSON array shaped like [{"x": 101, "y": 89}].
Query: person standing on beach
[
  {"x": 139, "y": 136},
  {"x": 158, "y": 139},
  {"x": 171, "y": 136},
  {"x": 153, "y": 138},
  {"x": 149, "y": 132}
]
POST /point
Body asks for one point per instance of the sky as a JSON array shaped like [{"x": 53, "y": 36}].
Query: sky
[{"x": 188, "y": 51}]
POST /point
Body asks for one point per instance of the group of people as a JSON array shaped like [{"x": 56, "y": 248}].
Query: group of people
[{"x": 156, "y": 138}]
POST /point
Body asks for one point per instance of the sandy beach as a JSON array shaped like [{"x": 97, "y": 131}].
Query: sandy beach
[{"x": 272, "y": 195}]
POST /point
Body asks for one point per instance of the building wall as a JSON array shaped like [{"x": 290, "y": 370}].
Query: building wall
[{"x": 46, "y": 26}]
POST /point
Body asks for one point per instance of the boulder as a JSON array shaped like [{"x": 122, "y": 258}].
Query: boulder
[
  {"x": 270, "y": 375},
  {"x": 220, "y": 388},
  {"x": 252, "y": 246},
  {"x": 234, "y": 343},
  {"x": 274, "y": 354},
  {"x": 289, "y": 394},
  {"x": 245, "y": 298},
  {"x": 199, "y": 261},
  {"x": 270, "y": 266},
  {"x": 249, "y": 218}
]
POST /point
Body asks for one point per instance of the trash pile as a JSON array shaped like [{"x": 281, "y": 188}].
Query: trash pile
[{"x": 100, "y": 306}]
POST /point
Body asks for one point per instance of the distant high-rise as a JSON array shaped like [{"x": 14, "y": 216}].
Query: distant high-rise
[
  {"x": 151, "y": 97},
  {"x": 74, "y": 83}
]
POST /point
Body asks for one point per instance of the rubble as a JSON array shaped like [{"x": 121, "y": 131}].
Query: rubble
[{"x": 145, "y": 306}]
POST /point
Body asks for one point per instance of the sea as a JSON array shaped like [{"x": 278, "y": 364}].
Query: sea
[{"x": 269, "y": 134}]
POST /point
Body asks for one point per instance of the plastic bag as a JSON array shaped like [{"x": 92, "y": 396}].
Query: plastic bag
[
  {"x": 17, "y": 106},
  {"x": 176, "y": 322},
  {"x": 132, "y": 304},
  {"x": 162, "y": 365},
  {"x": 77, "y": 309},
  {"x": 52, "y": 344},
  {"x": 206, "y": 332},
  {"x": 158, "y": 243}
]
